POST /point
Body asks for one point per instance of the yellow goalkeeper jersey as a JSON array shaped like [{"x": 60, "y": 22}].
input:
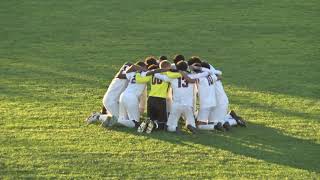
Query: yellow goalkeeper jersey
[{"x": 160, "y": 88}]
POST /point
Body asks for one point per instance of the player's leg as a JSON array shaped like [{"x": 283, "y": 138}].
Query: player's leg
[
  {"x": 240, "y": 121},
  {"x": 189, "y": 117},
  {"x": 111, "y": 104},
  {"x": 175, "y": 114},
  {"x": 132, "y": 106},
  {"x": 217, "y": 116},
  {"x": 123, "y": 113},
  {"x": 231, "y": 120},
  {"x": 144, "y": 124},
  {"x": 203, "y": 119},
  {"x": 203, "y": 115},
  {"x": 161, "y": 118}
]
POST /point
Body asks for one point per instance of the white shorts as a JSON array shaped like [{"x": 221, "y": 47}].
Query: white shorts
[{"x": 177, "y": 110}]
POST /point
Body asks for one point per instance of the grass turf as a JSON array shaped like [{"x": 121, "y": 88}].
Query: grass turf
[{"x": 57, "y": 56}]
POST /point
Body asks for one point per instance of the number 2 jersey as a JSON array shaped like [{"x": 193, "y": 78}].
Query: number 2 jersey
[{"x": 134, "y": 88}]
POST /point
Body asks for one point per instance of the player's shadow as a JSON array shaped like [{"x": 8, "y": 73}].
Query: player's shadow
[{"x": 256, "y": 141}]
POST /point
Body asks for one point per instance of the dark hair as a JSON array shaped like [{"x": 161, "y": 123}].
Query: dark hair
[
  {"x": 205, "y": 65},
  {"x": 150, "y": 61},
  {"x": 182, "y": 66},
  {"x": 141, "y": 64},
  {"x": 194, "y": 59},
  {"x": 163, "y": 58},
  {"x": 153, "y": 66},
  {"x": 178, "y": 58},
  {"x": 128, "y": 64}
]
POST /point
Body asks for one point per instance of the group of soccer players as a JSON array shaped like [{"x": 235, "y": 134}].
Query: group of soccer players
[{"x": 190, "y": 90}]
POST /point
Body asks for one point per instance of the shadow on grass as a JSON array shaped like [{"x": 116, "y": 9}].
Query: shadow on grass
[
  {"x": 256, "y": 141},
  {"x": 274, "y": 109}
]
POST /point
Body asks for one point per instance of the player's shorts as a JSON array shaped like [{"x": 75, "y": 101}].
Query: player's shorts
[{"x": 157, "y": 111}]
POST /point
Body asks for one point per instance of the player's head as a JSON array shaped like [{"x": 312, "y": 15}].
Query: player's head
[
  {"x": 150, "y": 61},
  {"x": 165, "y": 64},
  {"x": 177, "y": 58},
  {"x": 182, "y": 66},
  {"x": 197, "y": 65},
  {"x": 205, "y": 65},
  {"x": 142, "y": 65},
  {"x": 193, "y": 60},
  {"x": 162, "y": 58}
]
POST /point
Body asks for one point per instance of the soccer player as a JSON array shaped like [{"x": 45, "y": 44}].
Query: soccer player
[
  {"x": 111, "y": 98},
  {"x": 207, "y": 95},
  {"x": 157, "y": 105},
  {"x": 177, "y": 58},
  {"x": 129, "y": 114},
  {"x": 182, "y": 88},
  {"x": 220, "y": 113},
  {"x": 162, "y": 58},
  {"x": 151, "y": 60}
]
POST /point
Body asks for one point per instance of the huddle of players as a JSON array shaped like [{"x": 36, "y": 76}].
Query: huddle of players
[{"x": 174, "y": 90}]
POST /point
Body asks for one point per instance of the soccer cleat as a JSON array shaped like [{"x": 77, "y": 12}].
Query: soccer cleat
[
  {"x": 107, "y": 122},
  {"x": 150, "y": 127},
  {"x": 241, "y": 122},
  {"x": 94, "y": 117},
  {"x": 239, "y": 119},
  {"x": 142, "y": 127},
  {"x": 227, "y": 126},
  {"x": 219, "y": 127},
  {"x": 192, "y": 129}
]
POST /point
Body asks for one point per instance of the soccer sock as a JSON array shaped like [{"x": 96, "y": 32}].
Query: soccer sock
[
  {"x": 103, "y": 117},
  {"x": 206, "y": 127},
  {"x": 231, "y": 120}
]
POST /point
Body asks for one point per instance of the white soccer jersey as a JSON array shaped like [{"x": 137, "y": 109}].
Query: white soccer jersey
[
  {"x": 221, "y": 95},
  {"x": 134, "y": 88},
  {"x": 206, "y": 89},
  {"x": 182, "y": 91}
]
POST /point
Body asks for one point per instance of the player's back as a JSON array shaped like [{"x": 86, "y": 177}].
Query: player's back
[
  {"x": 133, "y": 87},
  {"x": 206, "y": 90},
  {"x": 182, "y": 91}
]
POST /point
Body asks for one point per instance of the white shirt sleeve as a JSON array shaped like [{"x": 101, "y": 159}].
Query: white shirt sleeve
[
  {"x": 198, "y": 75},
  {"x": 162, "y": 77},
  {"x": 143, "y": 74},
  {"x": 214, "y": 71},
  {"x": 130, "y": 75}
]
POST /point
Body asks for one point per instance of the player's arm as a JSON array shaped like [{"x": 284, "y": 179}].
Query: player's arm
[
  {"x": 141, "y": 78},
  {"x": 121, "y": 74},
  {"x": 173, "y": 75},
  {"x": 214, "y": 71},
  {"x": 163, "y": 77},
  {"x": 187, "y": 78},
  {"x": 152, "y": 72},
  {"x": 133, "y": 68}
]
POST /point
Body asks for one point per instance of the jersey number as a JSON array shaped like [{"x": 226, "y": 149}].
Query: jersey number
[
  {"x": 156, "y": 81},
  {"x": 182, "y": 83},
  {"x": 210, "y": 80},
  {"x": 133, "y": 81}
]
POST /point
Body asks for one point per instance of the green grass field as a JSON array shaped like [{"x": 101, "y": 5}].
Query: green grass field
[{"x": 56, "y": 58}]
